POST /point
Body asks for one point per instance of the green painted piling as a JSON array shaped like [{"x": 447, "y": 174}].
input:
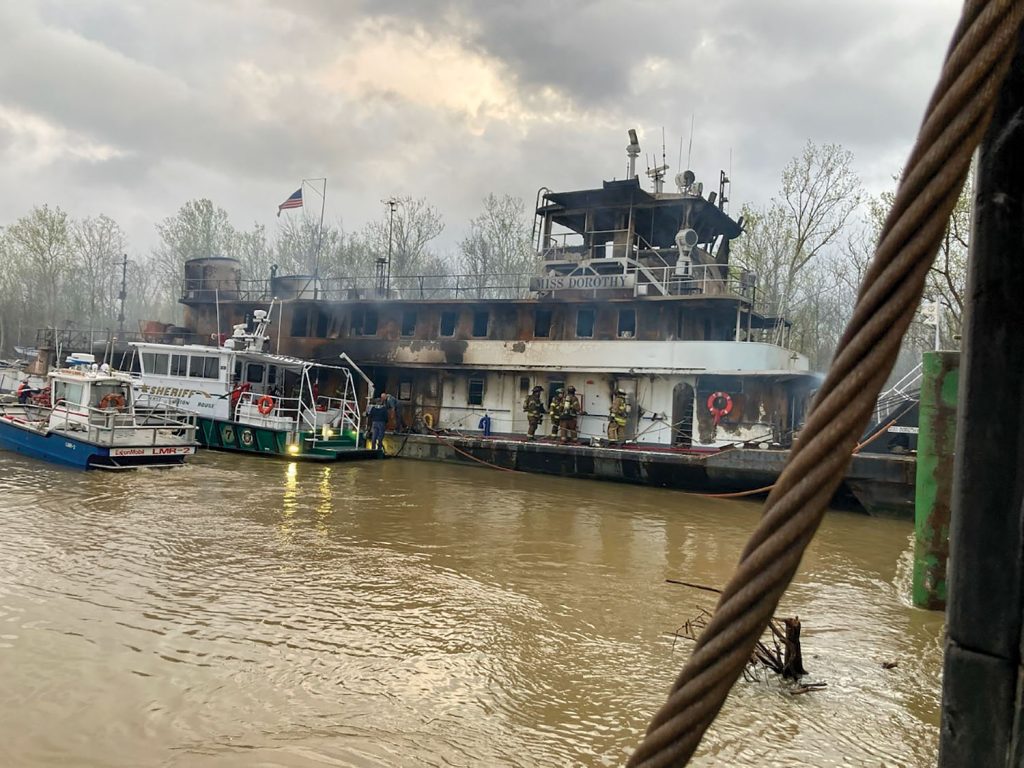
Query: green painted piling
[{"x": 935, "y": 442}]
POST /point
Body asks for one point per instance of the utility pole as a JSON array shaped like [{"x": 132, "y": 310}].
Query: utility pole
[
  {"x": 122, "y": 296},
  {"x": 392, "y": 204}
]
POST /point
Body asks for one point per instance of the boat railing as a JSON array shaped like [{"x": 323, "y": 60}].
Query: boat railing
[
  {"x": 502, "y": 285},
  {"x": 91, "y": 339},
  {"x": 112, "y": 427},
  {"x": 906, "y": 390},
  {"x": 268, "y": 406},
  {"x": 705, "y": 279}
]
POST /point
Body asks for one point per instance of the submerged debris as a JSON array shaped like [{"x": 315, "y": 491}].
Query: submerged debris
[{"x": 778, "y": 651}]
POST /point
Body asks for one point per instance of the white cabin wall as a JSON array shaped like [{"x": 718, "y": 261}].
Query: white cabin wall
[
  {"x": 656, "y": 400},
  {"x": 502, "y": 401},
  {"x": 498, "y": 401}
]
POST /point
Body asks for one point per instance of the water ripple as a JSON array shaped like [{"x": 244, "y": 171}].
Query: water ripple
[{"x": 245, "y": 612}]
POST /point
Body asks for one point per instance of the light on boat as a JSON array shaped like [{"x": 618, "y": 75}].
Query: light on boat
[
  {"x": 327, "y": 432},
  {"x": 293, "y": 449}
]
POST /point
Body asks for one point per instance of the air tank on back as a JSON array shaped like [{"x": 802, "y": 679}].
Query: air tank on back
[{"x": 212, "y": 278}]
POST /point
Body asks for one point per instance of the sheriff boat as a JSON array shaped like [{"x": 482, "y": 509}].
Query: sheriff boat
[
  {"x": 86, "y": 418},
  {"x": 251, "y": 401}
]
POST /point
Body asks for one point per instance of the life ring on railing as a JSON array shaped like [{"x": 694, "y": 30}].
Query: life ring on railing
[
  {"x": 265, "y": 404},
  {"x": 428, "y": 420},
  {"x": 112, "y": 401},
  {"x": 720, "y": 404}
]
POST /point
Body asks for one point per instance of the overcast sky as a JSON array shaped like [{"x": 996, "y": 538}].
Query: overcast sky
[{"x": 130, "y": 108}]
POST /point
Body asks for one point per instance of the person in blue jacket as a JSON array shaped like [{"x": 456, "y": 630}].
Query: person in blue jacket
[{"x": 378, "y": 415}]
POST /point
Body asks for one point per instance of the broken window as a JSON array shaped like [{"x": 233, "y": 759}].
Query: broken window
[
  {"x": 627, "y": 323},
  {"x": 542, "y": 323},
  {"x": 480, "y": 318},
  {"x": 585, "y": 323},
  {"x": 476, "y": 391},
  {"x": 408, "y": 322},
  {"x": 448, "y": 321}
]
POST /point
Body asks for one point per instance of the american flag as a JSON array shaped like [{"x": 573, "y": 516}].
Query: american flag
[{"x": 293, "y": 201}]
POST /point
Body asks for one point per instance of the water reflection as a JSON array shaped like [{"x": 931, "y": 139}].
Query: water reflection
[{"x": 242, "y": 612}]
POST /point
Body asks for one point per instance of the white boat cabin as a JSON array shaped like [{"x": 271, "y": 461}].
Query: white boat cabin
[
  {"x": 97, "y": 404},
  {"x": 248, "y": 387}
]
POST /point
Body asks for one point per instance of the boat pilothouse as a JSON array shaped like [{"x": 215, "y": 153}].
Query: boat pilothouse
[
  {"x": 627, "y": 242},
  {"x": 249, "y": 400},
  {"x": 87, "y": 417}
]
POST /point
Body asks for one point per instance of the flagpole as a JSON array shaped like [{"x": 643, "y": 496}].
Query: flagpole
[{"x": 320, "y": 235}]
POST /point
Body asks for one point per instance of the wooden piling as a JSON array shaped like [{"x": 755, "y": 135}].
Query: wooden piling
[{"x": 981, "y": 691}]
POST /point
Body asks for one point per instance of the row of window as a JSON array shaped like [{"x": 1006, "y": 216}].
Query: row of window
[
  {"x": 192, "y": 366},
  {"x": 365, "y": 322}
]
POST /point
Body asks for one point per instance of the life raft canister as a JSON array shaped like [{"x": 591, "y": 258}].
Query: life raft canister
[
  {"x": 265, "y": 404},
  {"x": 720, "y": 404}
]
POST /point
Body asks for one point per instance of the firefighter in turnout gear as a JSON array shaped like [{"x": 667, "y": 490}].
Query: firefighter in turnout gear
[
  {"x": 555, "y": 411},
  {"x": 570, "y": 412},
  {"x": 534, "y": 408},
  {"x": 618, "y": 414}
]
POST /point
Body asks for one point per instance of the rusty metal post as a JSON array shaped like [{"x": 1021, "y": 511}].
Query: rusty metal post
[
  {"x": 981, "y": 706},
  {"x": 935, "y": 443}
]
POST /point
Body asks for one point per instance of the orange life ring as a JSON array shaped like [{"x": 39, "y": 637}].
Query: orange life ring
[
  {"x": 720, "y": 404},
  {"x": 112, "y": 401},
  {"x": 265, "y": 404}
]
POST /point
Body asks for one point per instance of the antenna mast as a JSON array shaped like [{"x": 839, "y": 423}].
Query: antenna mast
[
  {"x": 658, "y": 174},
  {"x": 689, "y": 150},
  {"x": 723, "y": 183},
  {"x": 123, "y": 295}
]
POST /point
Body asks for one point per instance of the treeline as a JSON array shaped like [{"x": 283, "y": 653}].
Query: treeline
[
  {"x": 808, "y": 246},
  {"x": 64, "y": 272}
]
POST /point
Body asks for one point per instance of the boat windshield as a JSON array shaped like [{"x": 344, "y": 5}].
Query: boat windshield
[{"x": 110, "y": 394}]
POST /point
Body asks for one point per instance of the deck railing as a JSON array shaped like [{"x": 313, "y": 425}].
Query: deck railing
[
  {"x": 112, "y": 428},
  {"x": 363, "y": 287}
]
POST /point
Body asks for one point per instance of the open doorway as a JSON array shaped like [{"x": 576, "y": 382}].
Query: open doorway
[{"x": 682, "y": 415}]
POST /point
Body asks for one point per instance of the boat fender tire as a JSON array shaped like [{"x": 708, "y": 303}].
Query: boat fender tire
[
  {"x": 265, "y": 404},
  {"x": 112, "y": 401},
  {"x": 428, "y": 420}
]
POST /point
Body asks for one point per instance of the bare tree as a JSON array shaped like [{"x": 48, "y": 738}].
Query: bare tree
[
  {"x": 41, "y": 242},
  {"x": 497, "y": 249},
  {"x": 947, "y": 279},
  {"x": 198, "y": 230},
  {"x": 253, "y": 252},
  {"x": 98, "y": 247},
  {"x": 416, "y": 224},
  {"x": 819, "y": 193}
]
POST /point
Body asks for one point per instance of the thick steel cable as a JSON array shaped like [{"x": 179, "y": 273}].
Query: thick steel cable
[{"x": 955, "y": 121}]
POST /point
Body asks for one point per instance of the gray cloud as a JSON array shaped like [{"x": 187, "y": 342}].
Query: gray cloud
[{"x": 132, "y": 108}]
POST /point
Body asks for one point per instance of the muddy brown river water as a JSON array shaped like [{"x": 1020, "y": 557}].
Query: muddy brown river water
[{"x": 240, "y": 612}]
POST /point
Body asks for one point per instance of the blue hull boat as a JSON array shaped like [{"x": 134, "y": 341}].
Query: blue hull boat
[
  {"x": 72, "y": 451},
  {"x": 86, "y": 418}
]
